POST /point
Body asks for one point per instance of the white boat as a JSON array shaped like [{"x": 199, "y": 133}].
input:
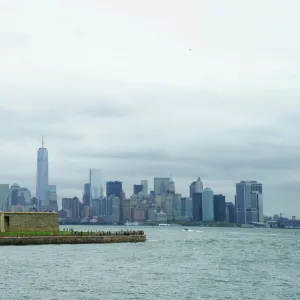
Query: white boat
[
  {"x": 131, "y": 224},
  {"x": 164, "y": 225}
]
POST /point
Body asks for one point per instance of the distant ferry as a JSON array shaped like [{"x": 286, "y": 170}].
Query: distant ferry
[{"x": 131, "y": 224}]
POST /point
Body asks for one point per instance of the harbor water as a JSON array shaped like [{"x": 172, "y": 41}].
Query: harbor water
[{"x": 199, "y": 263}]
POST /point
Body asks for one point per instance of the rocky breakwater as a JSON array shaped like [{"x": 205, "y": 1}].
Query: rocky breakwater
[{"x": 74, "y": 237}]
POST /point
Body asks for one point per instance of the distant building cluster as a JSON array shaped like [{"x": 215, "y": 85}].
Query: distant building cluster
[
  {"x": 15, "y": 198},
  {"x": 162, "y": 204}
]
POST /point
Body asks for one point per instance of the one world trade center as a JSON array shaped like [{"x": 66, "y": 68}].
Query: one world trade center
[{"x": 42, "y": 179}]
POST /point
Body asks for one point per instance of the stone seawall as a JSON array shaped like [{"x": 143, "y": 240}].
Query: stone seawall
[{"x": 44, "y": 240}]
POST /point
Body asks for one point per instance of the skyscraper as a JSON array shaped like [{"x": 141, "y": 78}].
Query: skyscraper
[
  {"x": 208, "y": 205},
  {"x": 230, "y": 212},
  {"x": 249, "y": 202},
  {"x": 4, "y": 196},
  {"x": 13, "y": 195},
  {"x": 144, "y": 183},
  {"x": 87, "y": 194},
  {"x": 161, "y": 185},
  {"x": 114, "y": 188},
  {"x": 171, "y": 186},
  {"x": 176, "y": 205},
  {"x": 24, "y": 196},
  {"x": 219, "y": 208},
  {"x": 137, "y": 188},
  {"x": 196, "y": 187},
  {"x": 51, "y": 202},
  {"x": 95, "y": 184},
  {"x": 197, "y": 207},
  {"x": 42, "y": 178},
  {"x": 71, "y": 207}
]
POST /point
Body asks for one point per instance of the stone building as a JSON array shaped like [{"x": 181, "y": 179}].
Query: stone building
[{"x": 28, "y": 221}]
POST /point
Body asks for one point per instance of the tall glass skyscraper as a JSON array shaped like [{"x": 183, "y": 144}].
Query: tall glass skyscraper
[
  {"x": 161, "y": 185},
  {"x": 196, "y": 187},
  {"x": 96, "y": 191},
  {"x": 42, "y": 178},
  {"x": 207, "y": 205},
  {"x": 87, "y": 194},
  {"x": 114, "y": 188},
  {"x": 249, "y": 202}
]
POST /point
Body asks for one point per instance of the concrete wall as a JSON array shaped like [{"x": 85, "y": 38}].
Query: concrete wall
[
  {"x": 31, "y": 221},
  {"x": 35, "y": 240}
]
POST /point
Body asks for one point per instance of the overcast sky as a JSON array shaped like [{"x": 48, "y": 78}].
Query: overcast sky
[{"x": 114, "y": 85}]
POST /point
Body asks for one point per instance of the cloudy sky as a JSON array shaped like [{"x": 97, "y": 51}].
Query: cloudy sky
[{"x": 114, "y": 85}]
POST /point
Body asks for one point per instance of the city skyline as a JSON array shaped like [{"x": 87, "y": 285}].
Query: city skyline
[
  {"x": 116, "y": 87},
  {"x": 97, "y": 184}
]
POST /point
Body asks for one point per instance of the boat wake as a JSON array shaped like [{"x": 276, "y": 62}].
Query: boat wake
[{"x": 191, "y": 230}]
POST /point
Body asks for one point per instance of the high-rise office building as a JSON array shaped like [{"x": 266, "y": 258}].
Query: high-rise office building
[
  {"x": 127, "y": 210},
  {"x": 196, "y": 187},
  {"x": 197, "y": 207},
  {"x": 116, "y": 212},
  {"x": 24, "y": 196},
  {"x": 171, "y": 187},
  {"x": 219, "y": 208},
  {"x": 114, "y": 188},
  {"x": 103, "y": 206},
  {"x": 4, "y": 196},
  {"x": 13, "y": 194},
  {"x": 183, "y": 207},
  {"x": 207, "y": 205},
  {"x": 230, "y": 212},
  {"x": 42, "y": 178},
  {"x": 114, "y": 208},
  {"x": 189, "y": 208},
  {"x": 161, "y": 185},
  {"x": 51, "y": 203},
  {"x": 137, "y": 188},
  {"x": 144, "y": 183},
  {"x": 95, "y": 177},
  {"x": 176, "y": 205},
  {"x": 96, "y": 208},
  {"x": 109, "y": 205},
  {"x": 71, "y": 206},
  {"x": 87, "y": 194},
  {"x": 249, "y": 202}
]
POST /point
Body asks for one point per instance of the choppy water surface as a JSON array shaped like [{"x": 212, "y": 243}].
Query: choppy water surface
[{"x": 203, "y": 263}]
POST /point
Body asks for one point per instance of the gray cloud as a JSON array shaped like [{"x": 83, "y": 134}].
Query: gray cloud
[
  {"x": 13, "y": 38},
  {"x": 142, "y": 107}
]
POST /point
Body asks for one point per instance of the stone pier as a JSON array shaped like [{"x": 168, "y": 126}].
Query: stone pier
[{"x": 44, "y": 240}]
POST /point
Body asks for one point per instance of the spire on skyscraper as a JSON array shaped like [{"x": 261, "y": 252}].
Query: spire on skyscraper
[{"x": 42, "y": 141}]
